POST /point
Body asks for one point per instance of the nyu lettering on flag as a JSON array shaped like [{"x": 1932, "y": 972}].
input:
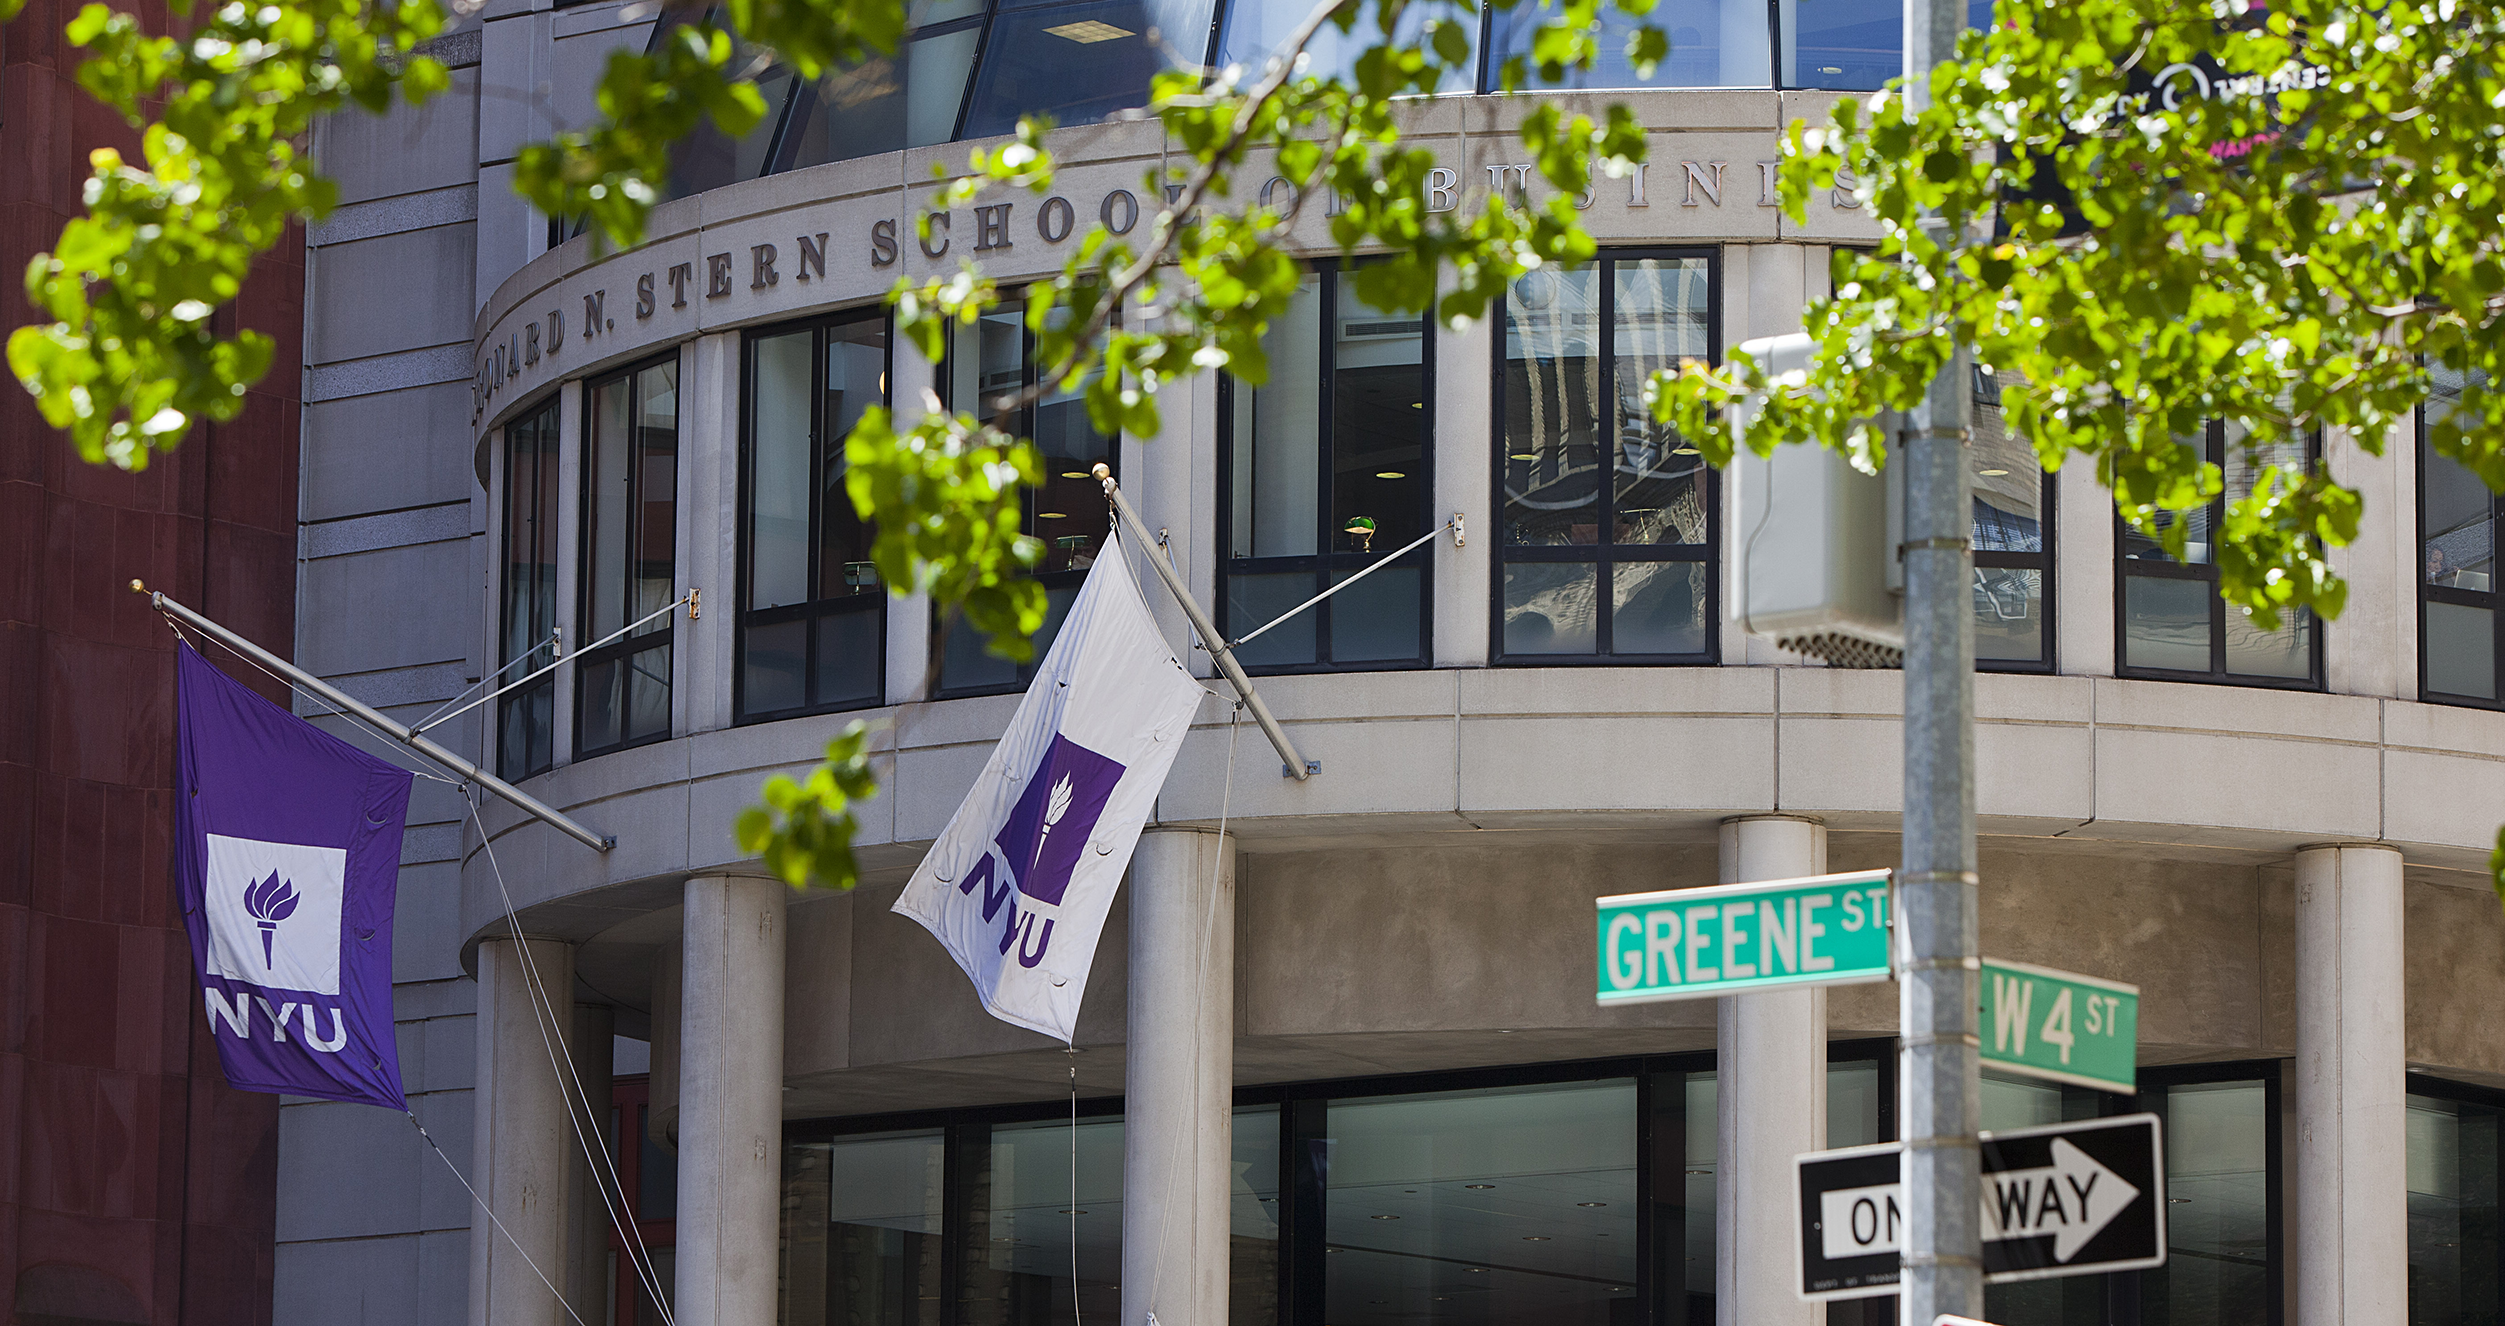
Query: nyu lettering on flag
[
  {"x": 1018, "y": 885},
  {"x": 288, "y": 840}
]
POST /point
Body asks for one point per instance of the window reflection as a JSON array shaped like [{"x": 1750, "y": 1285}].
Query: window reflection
[
  {"x": 630, "y": 550},
  {"x": 1713, "y": 43},
  {"x": 888, "y": 102},
  {"x": 1079, "y": 63},
  {"x": 1252, "y": 31},
  {"x": 2457, "y": 566},
  {"x": 2012, "y": 557},
  {"x": 1326, "y": 476},
  {"x": 1515, "y": 1204},
  {"x": 526, "y": 718},
  {"x": 2218, "y": 1268},
  {"x": 2172, "y": 621},
  {"x": 861, "y": 1230},
  {"x": 2456, "y": 1247},
  {"x": 1023, "y": 1220},
  {"x": 1607, "y": 519}
]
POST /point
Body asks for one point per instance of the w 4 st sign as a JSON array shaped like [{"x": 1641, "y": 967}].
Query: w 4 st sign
[{"x": 2060, "y": 1026}]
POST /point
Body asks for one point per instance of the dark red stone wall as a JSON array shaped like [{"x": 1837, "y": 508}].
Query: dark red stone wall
[{"x": 135, "y": 1186}]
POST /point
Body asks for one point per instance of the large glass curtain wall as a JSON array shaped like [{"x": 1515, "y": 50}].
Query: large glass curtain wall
[
  {"x": 1608, "y": 519},
  {"x": 989, "y": 362},
  {"x": 1581, "y": 1195},
  {"x": 2171, "y": 624},
  {"x": 813, "y": 621},
  {"x": 2458, "y": 621},
  {"x": 1323, "y": 474},
  {"x": 526, "y": 717},
  {"x": 630, "y": 558},
  {"x": 971, "y": 68}
]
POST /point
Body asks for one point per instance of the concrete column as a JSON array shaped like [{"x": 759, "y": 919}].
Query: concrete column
[
  {"x": 593, "y": 1039},
  {"x": 1179, "y": 1085},
  {"x": 730, "y": 1101},
  {"x": 2352, "y": 1229},
  {"x": 1771, "y": 1067},
  {"x": 521, "y": 1146}
]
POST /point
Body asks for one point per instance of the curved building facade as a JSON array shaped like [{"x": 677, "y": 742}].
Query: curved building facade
[{"x": 1340, "y": 1060}]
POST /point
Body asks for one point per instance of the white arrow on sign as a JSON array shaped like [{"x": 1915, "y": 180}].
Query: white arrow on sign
[{"x": 2072, "y": 1199}]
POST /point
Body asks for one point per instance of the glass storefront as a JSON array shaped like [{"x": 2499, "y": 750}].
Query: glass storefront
[{"x": 2456, "y": 1241}]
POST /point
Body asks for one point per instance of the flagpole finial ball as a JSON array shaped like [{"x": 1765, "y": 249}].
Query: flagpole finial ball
[
  {"x": 1102, "y": 471},
  {"x": 138, "y": 588}
]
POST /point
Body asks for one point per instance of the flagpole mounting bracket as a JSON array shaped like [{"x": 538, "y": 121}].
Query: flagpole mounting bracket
[{"x": 1293, "y": 764}]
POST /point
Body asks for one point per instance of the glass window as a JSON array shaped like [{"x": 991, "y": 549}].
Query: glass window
[
  {"x": 1608, "y": 520},
  {"x": 1321, "y": 482},
  {"x": 2173, "y": 625},
  {"x": 1713, "y": 43},
  {"x": 886, "y": 103},
  {"x": 1255, "y": 30},
  {"x": 707, "y": 158},
  {"x": 630, "y": 558},
  {"x": 1517, "y": 1202},
  {"x": 861, "y": 1230},
  {"x": 813, "y": 620},
  {"x": 2013, "y": 565},
  {"x": 1079, "y": 62},
  {"x": 989, "y": 360},
  {"x": 1849, "y": 45},
  {"x": 2456, "y": 1247},
  {"x": 2221, "y": 1264},
  {"x": 2458, "y": 619},
  {"x": 1254, "y": 1218},
  {"x": 1023, "y": 1219},
  {"x": 526, "y": 716}
]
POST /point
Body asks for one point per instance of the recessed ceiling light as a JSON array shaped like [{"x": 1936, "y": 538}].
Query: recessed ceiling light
[
  {"x": 1051, "y": 515},
  {"x": 1524, "y": 455},
  {"x": 1387, "y": 1217},
  {"x": 1076, "y": 1211},
  {"x": 1591, "y": 1203},
  {"x": 1389, "y": 474},
  {"x": 1074, "y": 474},
  {"x": 1824, "y": 68},
  {"x": 1476, "y": 1270},
  {"x": 1087, "y": 32},
  {"x": 1478, "y": 1185},
  {"x": 1682, "y": 451},
  {"x": 1417, "y": 405},
  {"x": 1535, "y": 1238},
  {"x": 1991, "y": 474}
]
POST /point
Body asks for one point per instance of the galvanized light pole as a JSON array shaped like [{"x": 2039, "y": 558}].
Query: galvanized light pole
[{"x": 1939, "y": 1002}]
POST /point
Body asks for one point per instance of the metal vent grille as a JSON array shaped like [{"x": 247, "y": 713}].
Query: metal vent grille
[{"x": 1844, "y": 651}]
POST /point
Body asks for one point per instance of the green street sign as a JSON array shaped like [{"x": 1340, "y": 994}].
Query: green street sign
[
  {"x": 2061, "y": 1026},
  {"x": 1733, "y": 938}
]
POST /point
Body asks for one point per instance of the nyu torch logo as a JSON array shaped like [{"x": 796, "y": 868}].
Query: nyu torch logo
[
  {"x": 270, "y": 902},
  {"x": 1041, "y": 846}
]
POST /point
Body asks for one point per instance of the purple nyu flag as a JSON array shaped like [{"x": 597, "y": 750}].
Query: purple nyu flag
[{"x": 289, "y": 844}]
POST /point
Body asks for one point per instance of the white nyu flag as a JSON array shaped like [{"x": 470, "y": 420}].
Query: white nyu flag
[{"x": 1018, "y": 885}]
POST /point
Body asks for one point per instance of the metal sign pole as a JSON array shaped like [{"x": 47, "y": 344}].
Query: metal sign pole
[
  {"x": 366, "y": 713},
  {"x": 1939, "y": 1062}
]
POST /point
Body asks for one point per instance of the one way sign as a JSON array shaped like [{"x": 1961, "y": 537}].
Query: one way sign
[{"x": 2068, "y": 1199}]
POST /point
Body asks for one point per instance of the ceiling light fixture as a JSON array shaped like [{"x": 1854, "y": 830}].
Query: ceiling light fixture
[
  {"x": 1524, "y": 455},
  {"x": 1387, "y": 1217},
  {"x": 1087, "y": 32},
  {"x": 1591, "y": 1203},
  {"x": 1051, "y": 515},
  {"x": 1535, "y": 1238},
  {"x": 1478, "y": 1185},
  {"x": 1991, "y": 474},
  {"x": 1073, "y": 474},
  {"x": 1389, "y": 474}
]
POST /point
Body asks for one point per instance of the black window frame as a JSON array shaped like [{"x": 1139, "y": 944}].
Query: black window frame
[
  {"x": 822, "y": 451},
  {"x": 1024, "y": 429},
  {"x": 1605, "y": 554},
  {"x": 2489, "y": 599},
  {"x": 1322, "y": 565},
  {"x": 1661, "y": 1164},
  {"x": 548, "y": 415},
  {"x": 662, "y": 636},
  {"x": 2439, "y": 1088},
  {"x": 2126, "y": 567},
  {"x": 1987, "y": 392}
]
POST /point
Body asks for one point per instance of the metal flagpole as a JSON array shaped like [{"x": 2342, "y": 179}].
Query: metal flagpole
[
  {"x": 1295, "y": 766},
  {"x": 366, "y": 713},
  {"x": 1939, "y": 972}
]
